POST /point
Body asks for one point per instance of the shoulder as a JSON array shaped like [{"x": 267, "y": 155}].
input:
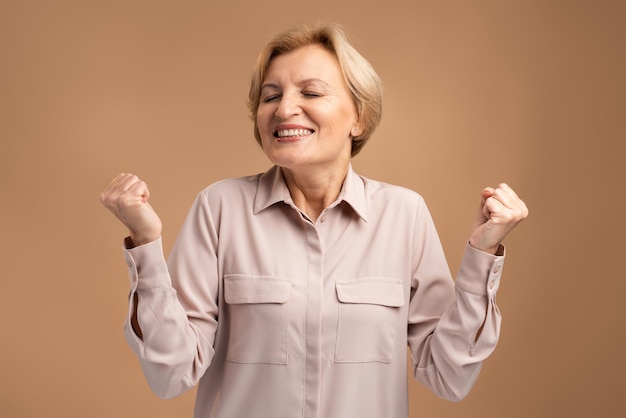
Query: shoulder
[
  {"x": 379, "y": 190},
  {"x": 229, "y": 189},
  {"x": 229, "y": 184},
  {"x": 394, "y": 206}
]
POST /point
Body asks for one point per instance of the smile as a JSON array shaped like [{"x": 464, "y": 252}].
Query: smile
[{"x": 290, "y": 133}]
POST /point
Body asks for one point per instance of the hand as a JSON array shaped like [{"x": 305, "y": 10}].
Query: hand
[
  {"x": 127, "y": 197},
  {"x": 499, "y": 212}
]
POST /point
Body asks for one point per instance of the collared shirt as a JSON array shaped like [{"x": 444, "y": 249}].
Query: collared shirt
[{"x": 276, "y": 315}]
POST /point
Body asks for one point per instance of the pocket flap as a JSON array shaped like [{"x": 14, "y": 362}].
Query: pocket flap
[
  {"x": 239, "y": 288},
  {"x": 375, "y": 291}
]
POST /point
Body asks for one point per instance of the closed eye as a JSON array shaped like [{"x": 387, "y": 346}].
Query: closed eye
[{"x": 269, "y": 99}]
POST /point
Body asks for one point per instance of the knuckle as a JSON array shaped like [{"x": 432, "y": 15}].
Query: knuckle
[
  {"x": 106, "y": 199},
  {"x": 124, "y": 199}
]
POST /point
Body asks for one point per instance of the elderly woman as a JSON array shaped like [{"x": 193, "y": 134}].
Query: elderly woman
[{"x": 295, "y": 292}]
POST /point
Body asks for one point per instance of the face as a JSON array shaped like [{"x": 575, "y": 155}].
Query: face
[{"x": 306, "y": 114}]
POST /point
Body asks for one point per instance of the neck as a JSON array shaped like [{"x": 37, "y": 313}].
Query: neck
[{"x": 313, "y": 191}]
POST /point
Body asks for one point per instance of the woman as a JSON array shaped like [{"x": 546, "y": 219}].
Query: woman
[{"x": 294, "y": 293}]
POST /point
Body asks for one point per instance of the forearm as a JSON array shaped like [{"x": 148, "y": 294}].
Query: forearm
[
  {"x": 450, "y": 359},
  {"x": 172, "y": 352}
]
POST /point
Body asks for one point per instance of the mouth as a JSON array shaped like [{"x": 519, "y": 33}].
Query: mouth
[{"x": 291, "y": 134}]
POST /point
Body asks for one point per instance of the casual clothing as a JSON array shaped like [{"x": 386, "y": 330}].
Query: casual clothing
[{"x": 280, "y": 316}]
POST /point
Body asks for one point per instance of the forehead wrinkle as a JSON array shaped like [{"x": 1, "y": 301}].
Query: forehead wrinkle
[{"x": 312, "y": 80}]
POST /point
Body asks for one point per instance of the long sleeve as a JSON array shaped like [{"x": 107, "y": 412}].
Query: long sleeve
[
  {"x": 177, "y": 312},
  {"x": 453, "y": 327},
  {"x": 314, "y": 316}
]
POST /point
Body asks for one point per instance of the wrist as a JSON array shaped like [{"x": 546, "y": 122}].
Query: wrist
[
  {"x": 136, "y": 240},
  {"x": 486, "y": 249}
]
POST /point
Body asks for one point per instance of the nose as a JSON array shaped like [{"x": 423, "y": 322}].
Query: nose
[{"x": 288, "y": 105}]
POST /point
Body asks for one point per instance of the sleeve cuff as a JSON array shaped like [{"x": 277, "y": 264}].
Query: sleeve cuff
[
  {"x": 480, "y": 272},
  {"x": 147, "y": 267}
]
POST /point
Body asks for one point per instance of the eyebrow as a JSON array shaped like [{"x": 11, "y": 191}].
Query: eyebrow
[
  {"x": 268, "y": 86},
  {"x": 299, "y": 83}
]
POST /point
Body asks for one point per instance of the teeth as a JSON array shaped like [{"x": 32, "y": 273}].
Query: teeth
[{"x": 293, "y": 132}]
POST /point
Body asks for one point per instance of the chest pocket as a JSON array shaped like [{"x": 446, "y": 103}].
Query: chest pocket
[
  {"x": 369, "y": 314},
  {"x": 257, "y": 313}
]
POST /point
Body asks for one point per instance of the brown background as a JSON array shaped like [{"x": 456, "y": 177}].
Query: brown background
[{"x": 476, "y": 92}]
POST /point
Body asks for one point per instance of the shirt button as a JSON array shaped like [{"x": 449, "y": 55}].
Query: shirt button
[
  {"x": 497, "y": 269},
  {"x": 323, "y": 218},
  {"x": 492, "y": 285}
]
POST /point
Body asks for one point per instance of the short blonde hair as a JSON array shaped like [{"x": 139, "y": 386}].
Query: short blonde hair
[{"x": 361, "y": 79}]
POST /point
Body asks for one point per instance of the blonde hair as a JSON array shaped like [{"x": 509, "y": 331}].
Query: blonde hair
[{"x": 361, "y": 79}]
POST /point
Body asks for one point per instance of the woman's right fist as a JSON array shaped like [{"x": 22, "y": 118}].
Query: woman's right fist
[{"x": 127, "y": 197}]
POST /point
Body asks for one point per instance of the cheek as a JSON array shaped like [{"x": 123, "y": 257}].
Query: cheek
[
  {"x": 262, "y": 124},
  {"x": 262, "y": 121},
  {"x": 345, "y": 114},
  {"x": 343, "y": 120},
  {"x": 260, "y": 117}
]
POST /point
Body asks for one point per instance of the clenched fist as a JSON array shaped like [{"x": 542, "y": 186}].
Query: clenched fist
[
  {"x": 499, "y": 212},
  {"x": 127, "y": 197}
]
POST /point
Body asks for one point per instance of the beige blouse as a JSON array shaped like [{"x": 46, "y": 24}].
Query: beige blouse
[{"x": 276, "y": 315}]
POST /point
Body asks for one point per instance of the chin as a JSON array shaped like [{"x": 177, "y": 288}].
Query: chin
[{"x": 285, "y": 158}]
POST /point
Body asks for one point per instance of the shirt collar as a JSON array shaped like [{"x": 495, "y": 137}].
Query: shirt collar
[{"x": 272, "y": 189}]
